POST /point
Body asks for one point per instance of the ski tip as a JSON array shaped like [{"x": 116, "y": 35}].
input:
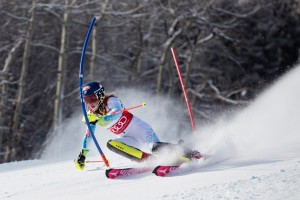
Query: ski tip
[
  {"x": 164, "y": 170},
  {"x": 107, "y": 173},
  {"x": 155, "y": 170}
]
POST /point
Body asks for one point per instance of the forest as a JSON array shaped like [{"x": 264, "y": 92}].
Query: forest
[{"x": 228, "y": 51}]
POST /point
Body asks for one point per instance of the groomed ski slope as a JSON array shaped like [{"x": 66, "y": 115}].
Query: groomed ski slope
[
  {"x": 44, "y": 180},
  {"x": 262, "y": 140}
]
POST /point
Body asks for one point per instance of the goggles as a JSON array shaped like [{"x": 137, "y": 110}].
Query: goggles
[{"x": 90, "y": 99}]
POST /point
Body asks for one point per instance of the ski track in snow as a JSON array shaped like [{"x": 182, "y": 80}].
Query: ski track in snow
[
  {"x": 262, "y": 142},
  {"x": 271, "y": 181}
]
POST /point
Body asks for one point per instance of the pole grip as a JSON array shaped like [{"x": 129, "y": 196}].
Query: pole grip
[{"x": 126, "y": 109}]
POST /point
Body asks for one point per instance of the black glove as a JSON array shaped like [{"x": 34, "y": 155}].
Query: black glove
[{"x": 80, "y": 160}]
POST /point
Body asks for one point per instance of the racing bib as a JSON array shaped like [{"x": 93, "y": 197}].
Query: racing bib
[{"x": 122, "y": 123}]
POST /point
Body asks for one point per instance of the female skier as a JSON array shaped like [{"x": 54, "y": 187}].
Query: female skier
[{"x": 135, "y": 140}]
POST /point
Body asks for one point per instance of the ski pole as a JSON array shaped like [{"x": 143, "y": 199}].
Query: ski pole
[
  {"x": 126, "y": 109},
  {"x": 81, "y": 96},
  {"x": 93, "y": 161},
  {"x": 184, "y": 91}
]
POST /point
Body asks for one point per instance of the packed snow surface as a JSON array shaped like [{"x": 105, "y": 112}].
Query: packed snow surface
[{"x": 258, "y": 149}]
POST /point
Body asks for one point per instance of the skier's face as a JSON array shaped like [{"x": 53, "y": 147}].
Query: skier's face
[{"x": 91, "y": 101}]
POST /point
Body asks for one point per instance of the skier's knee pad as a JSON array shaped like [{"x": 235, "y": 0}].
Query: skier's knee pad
[{"x": 125, "y": 150}]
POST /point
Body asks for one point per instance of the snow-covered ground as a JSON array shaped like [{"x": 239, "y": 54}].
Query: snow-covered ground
[
  {"x": 262, "y": 141},
  {"x": 252, "y": 180}
]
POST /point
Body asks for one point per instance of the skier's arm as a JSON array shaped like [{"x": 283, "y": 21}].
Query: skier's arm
[
  {"x": 87, "y": 138},
  {"x": 93, "y": 118},
  {"x": 114, "y": 104}
]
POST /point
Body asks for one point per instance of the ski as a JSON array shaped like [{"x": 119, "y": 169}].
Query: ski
[
  {"x": 113, "y": 173},
  {"x": 162, "y": 170}
]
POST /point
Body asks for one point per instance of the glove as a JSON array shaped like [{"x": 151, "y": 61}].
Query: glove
[{"x": 80, "y": 161}]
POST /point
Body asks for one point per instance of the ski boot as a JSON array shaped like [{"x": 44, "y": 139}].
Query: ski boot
[
  {"x": 80, "y": 161},
  {"x": 193, "y": 155}
]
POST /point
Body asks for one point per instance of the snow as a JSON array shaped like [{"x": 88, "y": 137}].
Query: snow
[{"x": 261, "y": 141}]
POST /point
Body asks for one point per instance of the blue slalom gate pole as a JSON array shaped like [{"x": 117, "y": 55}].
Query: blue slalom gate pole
[{"x": 80, "y": 90}]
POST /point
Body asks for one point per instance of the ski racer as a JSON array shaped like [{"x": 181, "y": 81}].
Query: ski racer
[{"x": 135, "y": 140}]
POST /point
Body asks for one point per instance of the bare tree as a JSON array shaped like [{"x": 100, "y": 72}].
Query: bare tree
[
  {"x": 58, "y": 103},
  {"x": 4, "y": 83},
  {"x": 95, "y": 39},
  {"x": 15, "y": 134},
  {"x": 166, "y": 49}
]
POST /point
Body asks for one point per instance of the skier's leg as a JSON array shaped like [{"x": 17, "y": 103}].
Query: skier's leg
[
  {"x": 135, "y": 142},
  {"x": 158, "y": 147},
  {"x": 127, "y": 151},
  {"x": 184, "y": 153}
]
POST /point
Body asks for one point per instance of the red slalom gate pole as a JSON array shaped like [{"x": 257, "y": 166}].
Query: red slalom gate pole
[{"x": 184, "y": 91}]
